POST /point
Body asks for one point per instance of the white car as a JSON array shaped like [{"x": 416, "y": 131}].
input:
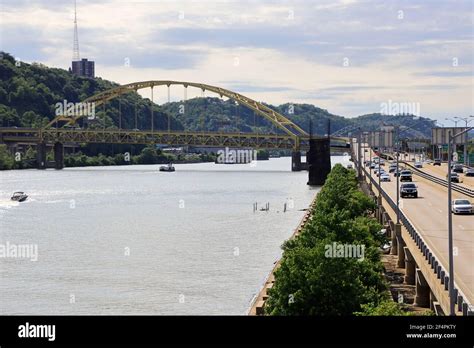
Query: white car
[
  {"x": 461, "y": 206},
  {"x": 385, "y": 177},
  {"x": 418, "y": 165}
]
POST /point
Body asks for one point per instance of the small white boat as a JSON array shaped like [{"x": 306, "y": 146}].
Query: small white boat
[
  {"x": 19, "y": 196},
  {"x": 167, "y": 168}
]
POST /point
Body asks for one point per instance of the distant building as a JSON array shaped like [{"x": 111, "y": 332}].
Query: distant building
[
  {"x": 80, "y": 67},
  {"x": 84, "y": 67}
]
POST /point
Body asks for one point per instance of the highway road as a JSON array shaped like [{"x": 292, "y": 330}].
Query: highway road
[
  {"x": 429, "y": 214},
  {"x": 441, "y": 171}
]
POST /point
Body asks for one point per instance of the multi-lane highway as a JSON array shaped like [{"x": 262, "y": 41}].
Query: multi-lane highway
[{"x": 429, "y": 215}]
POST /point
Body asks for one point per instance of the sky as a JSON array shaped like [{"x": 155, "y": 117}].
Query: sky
[{"x": 350, "y": 57}]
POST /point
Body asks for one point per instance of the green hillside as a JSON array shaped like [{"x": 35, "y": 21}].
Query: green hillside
[{"x": 28, "y": 93}]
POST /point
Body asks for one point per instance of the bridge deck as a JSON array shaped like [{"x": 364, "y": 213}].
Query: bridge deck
[
  {"x": 173, "y": 138},
  {"x": 429, "y": 213}
]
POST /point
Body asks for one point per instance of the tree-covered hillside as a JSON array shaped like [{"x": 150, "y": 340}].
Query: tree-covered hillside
[{"x": 29, "y": 92}]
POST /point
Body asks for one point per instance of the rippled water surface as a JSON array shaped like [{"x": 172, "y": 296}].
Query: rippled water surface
[{"x": 133, "y": 240}]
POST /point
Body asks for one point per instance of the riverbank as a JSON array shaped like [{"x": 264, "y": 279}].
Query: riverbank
[
  {"x": 148, "y": 155},
  {"x": 258, "y": 303},
  {"x": 333, "y": 264}
]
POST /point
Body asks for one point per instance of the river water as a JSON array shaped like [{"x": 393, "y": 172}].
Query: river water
[{"x": 133, "y": 240}]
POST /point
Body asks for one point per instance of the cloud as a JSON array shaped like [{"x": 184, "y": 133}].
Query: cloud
[{"x": 345, "y": 56}]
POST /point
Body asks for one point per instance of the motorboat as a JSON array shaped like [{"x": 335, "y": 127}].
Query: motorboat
[
  {"x": 167, "y": 168},
  {"x": 19, "y": 196}
]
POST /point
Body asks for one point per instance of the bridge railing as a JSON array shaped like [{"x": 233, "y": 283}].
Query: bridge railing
[{"x": 460, "y": 299}]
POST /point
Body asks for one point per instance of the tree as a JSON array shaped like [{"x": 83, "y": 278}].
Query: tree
[{"x": 311, "y": 282}]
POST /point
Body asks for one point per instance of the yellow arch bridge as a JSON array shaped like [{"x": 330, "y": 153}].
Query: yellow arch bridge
[{"x": 63, "y": 130}]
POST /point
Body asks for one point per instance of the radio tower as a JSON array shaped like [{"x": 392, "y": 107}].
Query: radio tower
[{"x": 75, "y": 49}]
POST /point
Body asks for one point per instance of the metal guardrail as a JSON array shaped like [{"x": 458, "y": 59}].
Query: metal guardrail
[{"x": 460, "y": 299}]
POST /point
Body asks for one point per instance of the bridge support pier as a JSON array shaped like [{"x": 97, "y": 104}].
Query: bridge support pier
[
  {"x": 58, "y": 156},
  {"x": 401, "y": 253},
  {"x": 41, "y": 156},
  {"x": 396, "y": 233},
  {"x": 380, "y": 210},
  {"x": 386, "y": 218},
  {"x": 422, "y": 296},
  {"x": 296, "y": 161},
  {"x": 433, "y": 301},
  {"x": 410, "y": 267},
  {"x": 318, "y": 159}
]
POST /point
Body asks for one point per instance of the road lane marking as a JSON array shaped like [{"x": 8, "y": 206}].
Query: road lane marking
[
  {"x": 440, "y": 210},
  {"x": 461, "y": 227}
]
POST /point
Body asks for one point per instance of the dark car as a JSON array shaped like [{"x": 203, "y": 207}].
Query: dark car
[
  {"x": 454, "y": 177},
  {"x": 397, "y": 172},
  {"x": 437, "y": 162},
  {"x": 405, "y": 175},
  {"x": 392, "y": 169},
  {"x": 469, "y": 172},
  {"x": 408, "y": 189},
  {"x": 457, "y": 168}
]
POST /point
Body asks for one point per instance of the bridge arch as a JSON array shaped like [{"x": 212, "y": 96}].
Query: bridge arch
[{"x": 262, "y": 110}]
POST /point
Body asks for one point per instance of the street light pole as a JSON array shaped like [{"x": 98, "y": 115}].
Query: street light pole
[
  {"x": 370, "y": 156},
  {"x": 453, "y": 120},
  {"x": 450, "y": 223},
  {"x": 359, "y": 154},
  {"x": 380, "y": 187},
  {"x": 397, "y": 145},
  {"x": 466, "y": 155}
]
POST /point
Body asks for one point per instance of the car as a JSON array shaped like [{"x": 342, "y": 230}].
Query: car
[
  {"x": 385, "y": 177},
  {"x": 382, "y": 162},
  {"x": 372, "y": 165},
  {"x": 469, "y": 172},
  {"x": 405, "y": 175},
  {"x": 418, "y": 165},
  {"x": 379, "y": 171},
  {"x": 408, "y": 189},
  {"x": 457, "y": 168},
  {"x": 397, "y": 172},
  {"x": 367, "y": 163},
  {"x": 392, "y": 168},
  {"x": 461, "y": 206},
  {"x": 454, "y": 177},
  {"x": 437, "y": 162}
]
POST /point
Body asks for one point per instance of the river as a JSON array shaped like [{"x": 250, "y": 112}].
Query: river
[{"x": 132, "y": 240}]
